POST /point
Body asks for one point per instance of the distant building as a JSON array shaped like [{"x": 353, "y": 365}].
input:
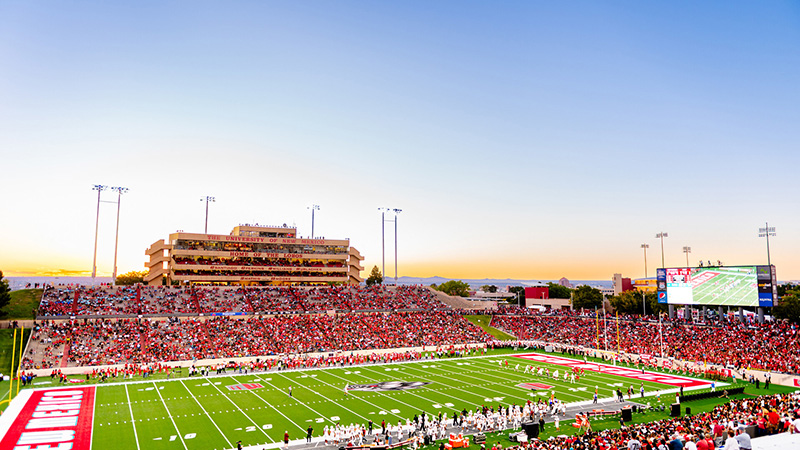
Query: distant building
[
  {"x": 565, "y": 282},
  {"x": 539, "y": 295},
  {"x": 621, "y": 284},
  {"x": 537, "y": 292},
  {"x": 253, "y": 255},
  {"x": 606, "y": 291},
  {"x": 645, "y": 284}
]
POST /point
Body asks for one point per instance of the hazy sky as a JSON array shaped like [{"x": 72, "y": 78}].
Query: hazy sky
[{"x": 521, "y": 139}]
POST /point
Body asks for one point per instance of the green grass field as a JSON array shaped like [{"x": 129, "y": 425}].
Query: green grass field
[
  {"x": 200, "y": 412},
  {"x": 23, "y": 304},
  {"x": 484, "y": 321},
  {"x": 6, "y": 347}
]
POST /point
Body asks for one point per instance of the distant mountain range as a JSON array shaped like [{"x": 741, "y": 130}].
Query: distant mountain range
[
  {"x": 500, "y": 283},
  {"x": 22, "y": 282}
]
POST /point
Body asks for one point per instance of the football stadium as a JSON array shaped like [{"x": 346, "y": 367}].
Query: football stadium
[
  {"x": 225, "y": 367},
  {"x": 352, "y": 225}
]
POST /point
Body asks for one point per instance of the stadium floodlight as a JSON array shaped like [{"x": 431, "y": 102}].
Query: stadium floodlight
[
  {"x": 396, "y": 213},
  {"x": 99, "y": 188},
  {"x": 120, "y": 191},
  {"x": 313, "y": 208},
  {"x": 645, "y": 247},
  {"x": 766, "y": 232},
  {"x": 687, "y": 250},
  {"x": 661, "y": 236},
  {"x": 644, "y": 305},
  {"x": 383, "y": 239},
  {"x": 207, "y": 199}
]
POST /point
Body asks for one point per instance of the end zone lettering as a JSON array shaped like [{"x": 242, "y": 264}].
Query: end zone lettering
[
  {"x": 672, "y": 380},
  {"x": 245, "y": 387},
  {"x": 534, "y": 386},
  {"x": 53, "y": 419}
]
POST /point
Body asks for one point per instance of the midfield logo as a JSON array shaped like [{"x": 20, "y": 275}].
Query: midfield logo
[{"x": 387, "y": 386}]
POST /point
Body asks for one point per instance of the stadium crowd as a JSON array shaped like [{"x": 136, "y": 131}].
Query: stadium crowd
[
  {"x": 100, "y": 342},
  {"x": 773, "y": 346},
  {"x": 769, "y": 414},
  {"x": 123, "y": 301}
]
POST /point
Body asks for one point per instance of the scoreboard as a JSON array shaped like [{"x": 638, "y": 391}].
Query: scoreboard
[{"x": 719, "y": 286}]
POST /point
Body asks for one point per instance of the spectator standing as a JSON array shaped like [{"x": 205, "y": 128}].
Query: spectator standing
[{"x": 731, "y": 443}]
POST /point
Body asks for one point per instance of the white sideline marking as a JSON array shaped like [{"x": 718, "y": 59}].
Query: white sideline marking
[{"x": 133, "y": 422}]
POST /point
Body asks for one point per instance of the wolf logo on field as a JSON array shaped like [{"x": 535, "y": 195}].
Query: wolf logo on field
[{"x": 388, "y": 386}]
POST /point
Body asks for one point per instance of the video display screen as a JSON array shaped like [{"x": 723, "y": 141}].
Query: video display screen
[{"x": 718, "y": 286}]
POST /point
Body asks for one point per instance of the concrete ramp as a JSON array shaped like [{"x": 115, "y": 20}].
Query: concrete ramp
[{"x": 457, "y": 302}]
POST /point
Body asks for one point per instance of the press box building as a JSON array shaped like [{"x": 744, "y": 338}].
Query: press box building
[{"x": 252, "y": 255}]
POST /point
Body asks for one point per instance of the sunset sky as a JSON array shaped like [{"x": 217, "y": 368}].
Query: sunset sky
[{"x": 521, "y": 139}]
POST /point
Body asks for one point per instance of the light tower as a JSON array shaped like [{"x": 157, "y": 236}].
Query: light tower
[
  {"x": 120, "y": 191},
  {"x": 207, "y": 200},
  {"x": 383, "y": 240},
  {"x": 661, "y": 236},
  {"x": 99, "y": 188},
  {"x": 396, "y": 213},
  {"x": 645, "y": 247},
  {"x": 766, "y": 232},
  {"x": 687, "y": 250},
  {"x": 313, "y": 208}
]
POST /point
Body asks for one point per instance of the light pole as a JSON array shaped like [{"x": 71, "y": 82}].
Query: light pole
[
  {"x": 99, "y": 188},
  {"x": 645, "y": 247},
  {"x": 396, "y": 213},
  {"x": 687, "y": 250},
  {"x": 383, "y": 240},
  {"x": 767, "y": 232},
  {"x": 644, "y": 305},
  {"x": 313, "y": 208},
  {"x": 207, "y": 199},
  {"x": 120, "y": 191},
  {"x": 661, "y": 236}
]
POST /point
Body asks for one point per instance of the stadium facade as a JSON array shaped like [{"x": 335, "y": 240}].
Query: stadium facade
[{"x": 252, "y": 255}]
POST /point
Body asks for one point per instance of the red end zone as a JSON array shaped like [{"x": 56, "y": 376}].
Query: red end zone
[
  {"x": 671, "y": 380},
  {"x": 53, "y": 418}
]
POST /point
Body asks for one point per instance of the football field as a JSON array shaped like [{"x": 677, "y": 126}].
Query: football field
[{"x": 217, "y": 411}]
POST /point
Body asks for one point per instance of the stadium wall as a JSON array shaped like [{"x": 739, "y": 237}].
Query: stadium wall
[{"x": 80, "y": 370}]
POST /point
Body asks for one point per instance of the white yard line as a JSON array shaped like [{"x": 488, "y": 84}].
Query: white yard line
[
  {"x": 426, "y": 388},
  {"x": 298, "y": 401},
  {"x": 559, "y": 383},
  {"x": 515, "y": 393},
  {"x": 207, "y": 414},
  {"x": 364, "y": 400},
  {"x": 413, "y": 407},
  {"x": 133, "y": 421},
  {"x": 326, "y": 398},
  {"x": 252, "y": 391},
  {"x": 180, "y": 436},
  {"x": 237, "y": 407}
]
